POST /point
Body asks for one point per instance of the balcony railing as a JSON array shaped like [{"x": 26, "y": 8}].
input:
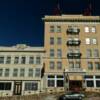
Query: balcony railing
[
  {"x": 73, "y": 43},
  {"x": 74, "y": 55},
  {"x": 73, "y": 31},
  {"x": 75, "y": 70}
]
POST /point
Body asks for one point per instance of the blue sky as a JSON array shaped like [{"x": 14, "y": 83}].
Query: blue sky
[{"x": 20, "y": 20}]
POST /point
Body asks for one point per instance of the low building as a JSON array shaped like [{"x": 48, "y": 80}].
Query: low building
[{"x": 21, "y": 70}]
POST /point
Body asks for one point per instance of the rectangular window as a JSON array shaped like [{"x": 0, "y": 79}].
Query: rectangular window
[
  {"x": 37, "y": 72},
  {"x": 96, "y": 53},
  {"x": 90, "y": 83},
  {"x": 51, "y": 83},
  {"x": 94, "y": 41},
  {"x": 22, "y": 72},
  {"x": 7, "y": 71},
  {"x": 97, "y": 65},
  {"x": 31, "y": 60},
  {"x": 59, "y": 41},
  {"x": 51, "y": 52},
  {"x": 71, "y": 64},
  {"x": 31, "y": 86},
  {"x": 8, "y": 60},
  {"x": 30, "y": 73},
  {"x": 59, "y": 65},
  {"x": 16, "y": 60},
  {"x": 1, "y": 60},
  {"x": 1, "y": 72},
  {"x": 52, "y": 30},
  {"x": 51, "y": 40},
  {"x": 52, "y": 65},
  {"x": 5, "y": 86},
  {"x": 59, "y": 53},
  {"x": 38, "y": 60},
  {"x": 15, "y": 72},
  {"x": 97, "y": 83},
  {"x": 90, "y": 65},
  {"x": 89, "y": 53},
  {"x": 60, "y": 83},
  {"x": 93, "y": 29},
  {"x": 88, "y": 41},
  {"x": 58, "y": 29},
  {"x": 87, "y": 29},
  {"x": 77, "y": 65},
  {"x": 23, "y": 60}
]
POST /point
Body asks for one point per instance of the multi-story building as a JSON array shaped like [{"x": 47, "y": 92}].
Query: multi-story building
[
  {"x": 20, "y": 70},
  {"x": 72, "y": 59}
]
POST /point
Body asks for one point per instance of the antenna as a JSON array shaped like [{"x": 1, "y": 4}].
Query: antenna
[{"x": 57, "y": 10}]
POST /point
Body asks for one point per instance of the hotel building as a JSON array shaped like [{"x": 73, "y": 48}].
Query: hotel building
[
  {"x": 69, "y": 60},
  {"x": 72, "y": 58}
]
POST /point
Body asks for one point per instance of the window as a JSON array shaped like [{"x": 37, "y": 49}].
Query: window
[
  {"x": 52, "y": 65},
  {"x": 37, "y": 72},
  {"x": 16, "y": 60},
  {"x": 15, "y": 72},
  {"x": 97, "y": 65},
  {"x": 89, "y": 53},
  {"x": 59, "y": 65},
  {"x": 22, "y": 72},
  {"x": 88, "y": 41},
  {"x": 96, "y": 53},
  {"x": 1, "y": 72},
  {"x": 90, "y": 83},
  {"x": 71, "y": 64},
  {"x": 51, "y": 52},
  {"x": 97, "y": 83},
  {"x": 31, "y": 86},
  {"x": 7, "y": 72},
  {"x": 59, "y": 41},
  {"x": 51, "y": 83},
  {"x": 38, "y": 60},
  {"x": 23, "y": 60},
  {"x": 87, "y": 29},
  {"x": 8, "y": 60},
  {"x": 58, "y": 29},
  {"x": 90, "y": 65},
  {"x": 51, "y": 40},
  {"x": 93, "y": 29},
  {"x": 60, "y": 81},
  {"x": 5, "y": 86},
  {"x": 77, "y": 65},
  {"x": 30, "y": 73},
  {"x": 59, "y": 53},
  {"x": 94, "y": 41},
  {"x": 31, "y": 60},
  {"x": 52, "y": 30},
  {"x": 1, "y": 60}
]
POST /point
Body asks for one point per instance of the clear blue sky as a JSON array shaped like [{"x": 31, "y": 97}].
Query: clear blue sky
[{"x": 20, "y": 20}]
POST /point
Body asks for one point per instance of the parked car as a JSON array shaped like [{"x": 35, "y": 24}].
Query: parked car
[{"x": 72, "y": 96}]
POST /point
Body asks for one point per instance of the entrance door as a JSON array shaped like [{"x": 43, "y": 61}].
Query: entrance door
[
  {"x": 75, "y": 85},
  {"x": 17, "y": 87}
]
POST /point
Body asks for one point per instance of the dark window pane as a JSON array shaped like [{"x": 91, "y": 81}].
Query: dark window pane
[
  {"x": 90, "y": 84},
  {"x": 98, "y": 83},
  {"x": 60, "y": 83},
  {"x": 51, "y": 83}
]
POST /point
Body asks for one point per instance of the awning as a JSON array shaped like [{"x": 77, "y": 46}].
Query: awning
[{"x": 75, "y": 77}]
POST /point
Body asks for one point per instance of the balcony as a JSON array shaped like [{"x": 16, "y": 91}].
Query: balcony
[
  {"x": 78, "y": 70},
  {"x": 74, "y": 55},
  {"x": 73, "y": 42},
  {"x": 73, "y": 31}
]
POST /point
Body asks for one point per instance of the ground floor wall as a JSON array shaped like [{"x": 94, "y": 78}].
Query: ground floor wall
[{"x": 9, "y": 88}]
